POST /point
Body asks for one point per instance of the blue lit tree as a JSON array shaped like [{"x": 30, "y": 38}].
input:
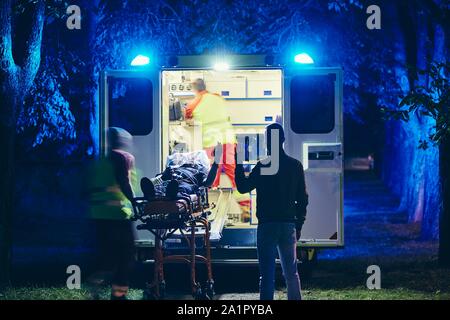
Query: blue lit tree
[
  {"x": 432, "y": 99},
  {"x": 16, "y": 78},
  {"x": 21, "y": 33},
  {"x": 420, "y": 36}
]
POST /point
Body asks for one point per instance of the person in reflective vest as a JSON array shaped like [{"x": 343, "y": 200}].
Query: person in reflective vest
[
  {"x": 111, "y": 196},
  {"x": 210, "y": 111}
]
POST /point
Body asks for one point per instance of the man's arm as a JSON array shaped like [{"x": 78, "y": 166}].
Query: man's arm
[
  {"x": 211, "y": 175},
  {"x": 122, "y": 171},
  {"x": 217, "y": 153},
  {"x": 301, "y": 200},
  {"x": 189, "y": 111},
  {"x": 245, "y": 184}
]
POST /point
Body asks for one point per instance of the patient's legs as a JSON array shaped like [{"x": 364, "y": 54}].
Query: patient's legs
[
  {"x": 148, "y": 189},
  {"x": 166, "y": 185}
]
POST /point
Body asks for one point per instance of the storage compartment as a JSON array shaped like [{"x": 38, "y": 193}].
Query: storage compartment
[
  {"x": 260, "y": 89},
  {"x": 254, "y": 112},
  {"x": 232, "y": 89}
]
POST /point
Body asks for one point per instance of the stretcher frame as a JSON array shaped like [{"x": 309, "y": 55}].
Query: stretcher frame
[{"x": 194, "y": 217}]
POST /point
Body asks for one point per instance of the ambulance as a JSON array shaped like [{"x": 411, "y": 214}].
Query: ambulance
[{"x": 258, "y": 90}]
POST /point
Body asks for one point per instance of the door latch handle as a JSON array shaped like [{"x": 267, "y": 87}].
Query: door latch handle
[{"x": 321, "y": 155}]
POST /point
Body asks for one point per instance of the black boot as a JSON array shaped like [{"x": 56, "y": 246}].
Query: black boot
[
  {"x": 148, "y": 189},
  {"x": 167, "y": 174},
  {"x": 172, "y": 189}
]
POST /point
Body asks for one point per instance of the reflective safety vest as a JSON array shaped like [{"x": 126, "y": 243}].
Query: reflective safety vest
[
  {"x": 107, "y": 201},
  {"x": 211, "y": 112}
]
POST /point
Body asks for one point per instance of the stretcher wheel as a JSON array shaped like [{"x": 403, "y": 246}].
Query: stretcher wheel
[
  {"x": 150, "y": 293},
  {"x": 199, "y": 293},
  {"x": 162, "y": 290},
  {"x": 209, "y": 289},
  {"x": 205, "y": 293}
]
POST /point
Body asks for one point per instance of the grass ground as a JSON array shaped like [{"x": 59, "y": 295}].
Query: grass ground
[
  {"x": 376, "y": 234},
  {"x": 422, "y": 281}
]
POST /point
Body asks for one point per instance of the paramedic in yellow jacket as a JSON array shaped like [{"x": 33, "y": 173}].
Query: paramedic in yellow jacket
[
  {"x": 209, "y": 110},
  {"x": 111, "y": 195}
]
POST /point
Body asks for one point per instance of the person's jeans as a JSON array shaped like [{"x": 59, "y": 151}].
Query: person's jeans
[{"x": 281, "y": 237}]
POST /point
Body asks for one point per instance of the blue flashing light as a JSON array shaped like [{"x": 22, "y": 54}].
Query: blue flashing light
[
  {"x": 303, "y": 58},
  {"x": 140, "y": 60}
]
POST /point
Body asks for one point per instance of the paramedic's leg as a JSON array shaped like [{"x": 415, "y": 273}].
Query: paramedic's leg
[
  {"x": 228, "y": 162},
  {"x": 124, "y": 247},
  {"x": 103, "y": 258},
  {"x": 267, "y": 252},
  {"x": 287, "y": 249},
  {"x": 229, "y": 168}
]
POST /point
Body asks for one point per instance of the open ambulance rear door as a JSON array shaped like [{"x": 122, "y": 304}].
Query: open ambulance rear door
[
  {"x": 314, "y": 135},
  {"x": 130, "y": 99}
]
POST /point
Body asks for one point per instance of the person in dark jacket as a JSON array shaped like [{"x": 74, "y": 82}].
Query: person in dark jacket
[{"x": 281, "y": 210}]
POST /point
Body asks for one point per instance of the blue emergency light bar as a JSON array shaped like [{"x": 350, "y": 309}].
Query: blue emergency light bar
[
  {"x": 140, "y": 60},
  {"x": 303, "y": 58}
]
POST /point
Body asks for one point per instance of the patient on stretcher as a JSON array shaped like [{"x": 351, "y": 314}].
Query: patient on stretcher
[{"x": 185, "y": 173}]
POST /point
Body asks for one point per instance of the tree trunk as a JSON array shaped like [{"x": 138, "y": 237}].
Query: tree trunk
[
  {"x": 10, "y": 97},
  {"x": 444, "y": 223},
  {"x": 7, "y": 134},
  {"x": 15, "y": 82}
]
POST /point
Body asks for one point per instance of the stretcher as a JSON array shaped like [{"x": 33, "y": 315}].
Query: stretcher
[{"x": 185, "y": 217}]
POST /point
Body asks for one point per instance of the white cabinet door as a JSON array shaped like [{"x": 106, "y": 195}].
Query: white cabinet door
[
  {"x": 264, "y": 89},
  {"x": 234, "y": 89}
]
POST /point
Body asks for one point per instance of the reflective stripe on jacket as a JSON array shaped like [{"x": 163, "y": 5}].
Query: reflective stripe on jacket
[{"x": 106, "y": 199}]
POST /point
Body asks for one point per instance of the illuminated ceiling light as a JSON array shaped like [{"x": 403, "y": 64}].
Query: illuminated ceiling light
[
  {"x": 221, "y": 66},
  {"x": 303, "y": 58},
  {"x": 140, "y": 60}
]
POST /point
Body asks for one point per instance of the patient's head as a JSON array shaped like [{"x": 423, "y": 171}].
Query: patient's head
[
  {"x": 274, "y": 137},
  {"x": 198, "y": 159}
]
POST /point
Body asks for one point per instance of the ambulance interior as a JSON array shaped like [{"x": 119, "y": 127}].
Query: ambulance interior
[{"x": 253, "y": 99}]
